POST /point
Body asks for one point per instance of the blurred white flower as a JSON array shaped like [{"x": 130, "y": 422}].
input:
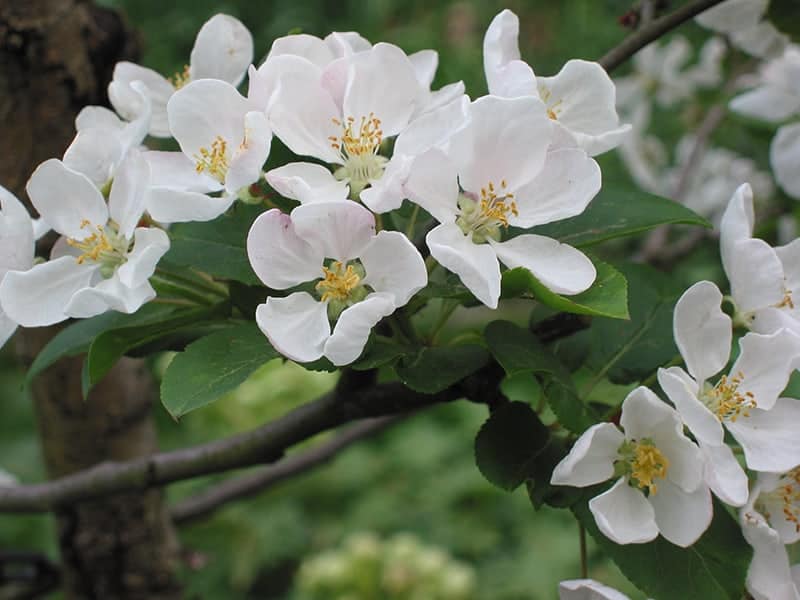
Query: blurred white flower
[
  {"x": 587, "y": 589},
  {"x": 743, "y": 22}
]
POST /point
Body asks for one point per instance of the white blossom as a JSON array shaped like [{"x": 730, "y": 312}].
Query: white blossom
[{"x": 16, "y": 248}]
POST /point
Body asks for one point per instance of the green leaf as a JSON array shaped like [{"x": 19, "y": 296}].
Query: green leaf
[
  {"x": 110, "y": 345},
  {"x": 785, "y": 14},
  {"x": 608, "y": 296},
  {"x": 519, "y": 351},
  {"x": 571, "y": 411},
  {"x": 540, "y": 491},
  {"x": 216, "y": 247},
  {"x": 213, "y": 366},
  {"x": 380, "y": 351},
  {"x": 508, "y": 443},
  {"x": 618, "y": 212},
  {"x": 77, "y": 337},
  {"x": 432, "y": 370},
  {"x": 714, "y": 568}
]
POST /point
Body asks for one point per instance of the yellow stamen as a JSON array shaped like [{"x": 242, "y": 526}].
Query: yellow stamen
[
  {"x": 648, "y": 464},
  {"x": 787, "y": 301},
  {"x": 213, "y": 160},
  {"x": 494, "y": 208},
  {"x": 727, "y": 402},
  {"x": 358, "y": 141},
  {"x": 181, "y": 78},
  {"x": 787, "y": 494},
  {"x": 338, "y": 282}
]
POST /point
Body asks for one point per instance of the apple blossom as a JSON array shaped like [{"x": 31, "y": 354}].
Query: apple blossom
[
  {"x": 659, "y": 484},
  {"x": 587, "y": 589},
  {"x": 16, "y": 248},
  {"x": 360, "y": 277},
  {"x": 743, "y": 22},
  {"x": 222, "y": 50},
  {"x": 497, "y": 173}
]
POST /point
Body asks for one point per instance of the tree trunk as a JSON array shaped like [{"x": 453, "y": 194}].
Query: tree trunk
[{"x": 57, "y": 56}]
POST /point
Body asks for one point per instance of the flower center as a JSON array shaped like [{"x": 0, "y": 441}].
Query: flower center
[
  {"x": 726, "y": 401},
  {"x": 213, "y": 159},
  {"x": 787, "y": 301},
  {"x": 483, "y": 217},
  {"x": 181, "y": 78},
  {"x": 642, "y": 462},
  {"x": 787, "y": 495},
  {"x": 553, "y": 109},
  {"x": 105, "y": 246},
  {"x": 358, "y": 145},
  {"x": 338, "y": 281}
]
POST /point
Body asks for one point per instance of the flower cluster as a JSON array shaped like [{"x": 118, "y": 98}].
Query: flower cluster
[{"x": 370, "y": 134}]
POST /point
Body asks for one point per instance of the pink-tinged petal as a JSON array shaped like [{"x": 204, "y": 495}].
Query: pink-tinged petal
[
  {"x": 307, "y": 182},
  {"x": 432, "y": 183},
  {"x": 724, "y": 475},
  {"x": 175, "y": 206},
  {"x": 784, "y": 156},
  {"x": 345, "y": 43},
  {"x": 352, "y": 329},
  {"x": 108, "y": 294},
  {"x": 506, "y": 74},
  {"x": 126, "y": 203},
  {"x": 591, "y": 459},
  {"x": 767, "y": 102},
  {"x": 587, "y": 589},
  {"x": 205, "y": 110},
  {"x": 128, "y": 101},
  {"x": 475, "y": 264},
  {"x": 624, "y": 515},
  {"x": 425, "y": 63},
  {"x": 245, "y": 167},
  {"x": 150, "y": 244},
  {"x": 681, "y": 517},
  {"x": 388, "y": 192},
  {"x": 755, "y": 273},
  {"x": 394, "y": 266},
  {"x": 338, "y": 230},
  {"x": 563, "y": 189},
  {"x": 769, "y": 576},
  {"x": 702, "y": 331},
  {"x": 704, "y": 424},
  {"x": 296, "y": 326},
  {"x": 66, "y": 199},
  {"x": 560, "y": 267},
  {"x": 506, "y": 140},
  {"x": 279, "y": 257},
  {"x": 37, "y": 297},
  {"x": 176, "y": 171},
  {"x": 434, "y": 128},
  {"x": 769, "y": 437},
  {"x": 764, "y": 364},
  {"x": 307, "y": 46},
  {"x": 223, "y": 49},
  {"x": 381, "y": 81},
  {"x": 95, "y": 153}
]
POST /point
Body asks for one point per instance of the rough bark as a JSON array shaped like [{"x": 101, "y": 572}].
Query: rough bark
[{"x": 56, "y": 56}]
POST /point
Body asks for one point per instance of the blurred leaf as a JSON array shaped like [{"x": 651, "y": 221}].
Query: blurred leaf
[
  {"x": 785, "y": 14},
  {"x": 213, "y": 366},
  {"x": 618, "y": 212},
  {"x": 714, "y": 568},
  {"x": 608, "y": 296},
  {"x": 216, "y": 247},
  {"x": 432, "y": 370},
  {"x": 508, "y": 443}
]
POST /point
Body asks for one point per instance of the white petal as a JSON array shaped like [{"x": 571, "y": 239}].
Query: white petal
[
  {"x": 175, "y": 170},
  {"x": 505, "y": 140},
  {"x": 681, "y": 517},
  {"x": 394, "y": 266},
  {"x": 755, "y": 273},
  {"x": 425, "y": 63},
  {"x": 769, "y": 437},
  {"x": 126, "y": 203},
  {"x": 769, "y": 320},
  {"x": 724, "y": 475},
  {"x": 433, "y": 184},
  {"x": 99, "y": 117},
  {"x": 245, "y": 167},
  {"x": 560, "y": 267},
  {"x": 643, "y": 412},
  {"x": 345, "y": 43},
  {"x": 704, "y": 424},
  {"x": 66, "y": 199},
  {"x": 128, "y": 102},
  {"x": 388, "y": 192},
  {"x": 685, "y": 458},
  {"x": 352, "y": 329},
  {"x": 475, "y": 264},
  {"x": 108, "y": 294},
  {"x": 16, "y": 234},
  {"x": 308, "y": 46},
  {"x": 174, "y": 206},
  {"x": 297, "y": 326},
  {"x": 784, "y": 156},
  {"x": 338, "y": 230},
  {"x": 762, "y": 40},
  {"x": 222, "y": 50},
  {"x": 769, "y": 576},
  {"x": 565, "y": 186},
  {"x": 765, "y": 363},
  {"x": 598, "y": 143},
  {"x": 702, "y": 331},
  {"x": 587, "y": 589},
  {"x": 737, "y": 221},
  {"x": 624, "y": 515},
  {"x": 591, "y": 458},
  {"x": 307, "y": 182},
  {"x": 278, "y": 256},
  {"x": 790, "y": 259},
  {"x": 732, "y": 15},
  {"x": 434, "y": 128},
  {"x": 767, "y": 102},
  {"x": 37, "y": 297},
  {"x": 95, "y": 153},
  {"x": 150, "y": 244},
  {"x": 506, "y": 74}
]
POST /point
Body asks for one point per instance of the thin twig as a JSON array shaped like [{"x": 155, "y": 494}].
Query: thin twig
[
  {"x": 206, "y": 502},
  {"x": 652, "y": 31},
  {"x": 584, "y": 558}
]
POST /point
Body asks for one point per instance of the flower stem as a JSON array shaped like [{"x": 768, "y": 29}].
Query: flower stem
[{"x": 584, "y": 559}]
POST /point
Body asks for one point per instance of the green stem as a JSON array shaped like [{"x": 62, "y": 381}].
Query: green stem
[
  {"x": 168, "y": 285},
  {"x": 448, "y": 307},
  {"x": 207, "y": 285},
  {"x": 584, "y": 558},
  {"x": 412, "y": 222}
]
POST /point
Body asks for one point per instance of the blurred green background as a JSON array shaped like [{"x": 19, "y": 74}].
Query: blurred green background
[{"x": 419, "y": 477}]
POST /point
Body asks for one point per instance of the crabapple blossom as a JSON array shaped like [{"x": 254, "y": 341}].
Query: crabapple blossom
[
  {"x": 587, "y": 589},
  {"x": 359, "y": 278},
  {"x": 497, "y": 172},
  {"x": 222, "y": 50},
  {"x": 16, "y": 248},
  {"x": 659, "y": 484},
  {"x": 743, "y": 22},
  {"x": 103, "y": 259}
]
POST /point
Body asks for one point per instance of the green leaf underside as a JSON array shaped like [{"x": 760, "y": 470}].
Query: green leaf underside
[
  {"x": 435, "y": 369},
  {"x": 714, "y": 568},
  {"x": 380, "y": 351},
  {"x": 608, "y": 296},
  {"x": 617, "y": 212},
  {"x": 508, "y": 443},
  {"x": 213, "y": 366}
]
